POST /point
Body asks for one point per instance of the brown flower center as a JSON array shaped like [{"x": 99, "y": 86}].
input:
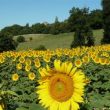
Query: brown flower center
[{"x": 61, "y": 87}]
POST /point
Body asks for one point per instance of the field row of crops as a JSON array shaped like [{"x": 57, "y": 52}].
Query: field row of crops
[{"x": 61, "y": 79}]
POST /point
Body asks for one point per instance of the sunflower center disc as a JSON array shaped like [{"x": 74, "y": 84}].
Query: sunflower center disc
[{"x": 61, "y": 87}]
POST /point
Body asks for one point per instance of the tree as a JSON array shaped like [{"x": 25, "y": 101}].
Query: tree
[
  {"x": 79, "y": 39},
  {"x": 77, "y": 18},
  {"x": 89, "y": 37},
  {"x": 12, "y": 30},
  {"x": 83, "y": 32},
  {"x": 55, "y": 27},
  {"x": 7, "y": 43},
  {"x": 96, "y": 19},
  {"x": 83, "y": 37},
  {"x": 40, "y": 28},
  {"x": 20, "y": 39},
  {"x": 106, "y": 18},
  {"x": 26, "y": 30}
]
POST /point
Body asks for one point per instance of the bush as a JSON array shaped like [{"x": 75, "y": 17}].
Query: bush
[
  {"x": 7, "y": 43},
  {"x": 30, "y": 38},
  {"x": 20, "y": 39},
  {"x": 41, "y": 47},
  {"x": 79, "y": 39}
]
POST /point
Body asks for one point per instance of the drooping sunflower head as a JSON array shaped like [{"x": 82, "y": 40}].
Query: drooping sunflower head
[{"x": 61, "y": 87}]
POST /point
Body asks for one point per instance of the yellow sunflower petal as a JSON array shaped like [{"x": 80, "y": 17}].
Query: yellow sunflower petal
[
  {"x": 77, "y": 97},
  {"x": 63, "y": 67},
  {"x": 74, "y": 105},
  {"x": 57, "y": 64},
  {"x": 79, "y": 76},
  {"x": 79, "y": 85},
  {"x": 65, "y": 105},
  {"x": 73, "y": 71},
  {"x": 70, "y": 65},
  {"x": 54, "y": 106},
  {"x": 79, "y": 91},
  {"x": 43, "y": 72}
]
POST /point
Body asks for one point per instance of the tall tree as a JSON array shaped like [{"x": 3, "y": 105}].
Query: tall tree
[
  {"x": 96, "y": 19},
  {"x": 106, "y": 18},
  {"x": 55, "y": 27},
  {"x": 83, "y": 33},
  {"x": 77, "y": 18}
]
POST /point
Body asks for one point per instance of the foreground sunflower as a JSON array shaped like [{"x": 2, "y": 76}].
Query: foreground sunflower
[{"x": 62, "y": 87}]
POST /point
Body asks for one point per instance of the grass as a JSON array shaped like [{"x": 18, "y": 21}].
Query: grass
[{"x": 53, "y": 41}]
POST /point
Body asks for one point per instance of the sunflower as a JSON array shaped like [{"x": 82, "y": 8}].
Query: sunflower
[
  {"x": 85, "y": 59},
  {"x": 19, "y": 66},
  {"x": 27, "y": 68},
  {"x": 62, "y": 87},
  {"x": 21, "y": 59},
  {"x": 37, "y": 63},
  {"x": 46, "y": 58},
  {"x": 31, "y": 76},
  {"x": 15, "y": 77},
  {"x": 102, "y": 61},
  {"x": 28, "y": 61},
  {"x": 96, "y": 59},
  {"x": 78, "y": 63}
]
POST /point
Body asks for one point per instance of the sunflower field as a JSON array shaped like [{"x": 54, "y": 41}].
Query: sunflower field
[{"x": 61, "y": 79}]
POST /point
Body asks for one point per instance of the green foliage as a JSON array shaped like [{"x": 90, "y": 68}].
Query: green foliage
[
  {"x": 55, "y": 29},
  {"x": 12, "y": 30},
  {"x": 106, "y": 17},
  {"x": 7, "y": 43},
  {"x": 25, "y": 88},
  {"x": 83, "y": 32},
  {"x": 33, "y": 106},
  {"x": 30, "y": 38},
  {"x": 94, "y": 17},
  {"x": 79, "y": 39},
  {"x": 4, "y": 95},
  {"x": 20, "y": 39},
  {"x": 26, "y": 30},
  {"x": 98, "y": 92},
  {"x": 40, "y": 28},
  {"x": 41, "y": 47}
]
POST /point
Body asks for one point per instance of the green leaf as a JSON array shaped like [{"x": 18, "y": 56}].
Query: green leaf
[
  {"x": 9, "y": 93},
  {"x": 36, "y": 107},
  {"x": 21, "y": 108}
]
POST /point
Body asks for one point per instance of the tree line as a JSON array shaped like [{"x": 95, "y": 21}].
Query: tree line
[{"x": 94, "y": 19}]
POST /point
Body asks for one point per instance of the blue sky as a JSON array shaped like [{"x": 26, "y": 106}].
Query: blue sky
[{"x": 34, "y": 11}]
